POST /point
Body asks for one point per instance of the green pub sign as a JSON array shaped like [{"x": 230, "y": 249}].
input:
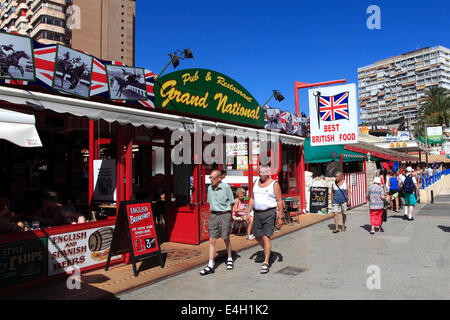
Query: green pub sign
[{"x": 207, "y": 93}]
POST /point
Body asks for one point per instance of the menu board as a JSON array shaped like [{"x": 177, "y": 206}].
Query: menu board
[
  {"x": 318, "y": 200},
  {"x": 135, "y": 233}
]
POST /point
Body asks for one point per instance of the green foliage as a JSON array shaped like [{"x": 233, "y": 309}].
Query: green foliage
[{"x": 434, "y": 110}]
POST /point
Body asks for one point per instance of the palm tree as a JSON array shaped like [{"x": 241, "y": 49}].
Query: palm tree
[{"x": 434, "y": 109}]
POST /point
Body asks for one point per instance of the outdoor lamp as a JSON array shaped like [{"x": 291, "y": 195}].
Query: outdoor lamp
[
  {"x": 368, "y": 156},
  {"x": 278, "y": 96},
  {"x": 175, "y": 58}
]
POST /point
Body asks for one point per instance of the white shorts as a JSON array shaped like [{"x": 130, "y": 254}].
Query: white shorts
[{"x": 339, "y": 207}]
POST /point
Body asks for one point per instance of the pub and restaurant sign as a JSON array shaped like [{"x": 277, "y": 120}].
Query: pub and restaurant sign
[{"x": 207, "y": 93}]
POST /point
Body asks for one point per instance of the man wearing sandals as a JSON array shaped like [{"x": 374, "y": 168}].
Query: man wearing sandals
[
  {"x": 221, "y": 201},
  {"x": 267, "y": 206}
]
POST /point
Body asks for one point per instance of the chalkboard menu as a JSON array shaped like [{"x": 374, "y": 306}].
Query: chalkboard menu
[
  {"x": 318, "y": 200},
  {"x": 135, "y": 233}
]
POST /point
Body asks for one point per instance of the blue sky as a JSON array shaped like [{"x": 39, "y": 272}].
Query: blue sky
[{"x": 266, "y": 45}]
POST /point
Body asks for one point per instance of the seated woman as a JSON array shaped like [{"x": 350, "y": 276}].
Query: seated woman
[
  {"x": 71, "y": 216},
  {"x": 240, "y": 211}
]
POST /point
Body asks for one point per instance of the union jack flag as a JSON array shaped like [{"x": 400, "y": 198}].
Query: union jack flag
[{"x": 334, "y": 107}]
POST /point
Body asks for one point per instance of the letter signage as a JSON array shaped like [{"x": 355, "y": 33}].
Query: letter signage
[
  {"x": 207, "y": 93},
  {"x": 333, "y": 115}
]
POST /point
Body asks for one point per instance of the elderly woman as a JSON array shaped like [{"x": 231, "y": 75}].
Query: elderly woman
[
  {"x": 341, "y": 200},
  {"x": 376, "y": 196}
]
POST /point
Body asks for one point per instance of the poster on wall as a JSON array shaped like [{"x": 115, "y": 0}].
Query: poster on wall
[
  {"x": 126, "y": 83},
  {"x": 105, "y": 180},
  {"x": 79, "y": 249},
  {"x": 242, "y": 162},
  {"x": 287, "y": 121},
  {"x": 16, "y": 57},
  {"x": 22, "y": 261},
  {"x": 274, "y": 119},
  {"x": 434, "y": 135},
  {"x": 333, "y": 115},
  {"x": 73, "y": 72}
]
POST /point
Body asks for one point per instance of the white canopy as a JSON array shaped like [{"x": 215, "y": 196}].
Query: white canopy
[
  {"x": 19, "y": 128},
  {"x": 137, "y": 117}
]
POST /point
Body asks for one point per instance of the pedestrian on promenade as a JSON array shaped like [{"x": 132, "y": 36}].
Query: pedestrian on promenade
[
  {"x": 267, "y": 206},
  {"x": 221, "y": 202},
  {"x": 409, "y": 190},
  {"x": 376, "y": 196},
  {"x": 341, "y": 200},
  {"x": 393, "y": 187}
]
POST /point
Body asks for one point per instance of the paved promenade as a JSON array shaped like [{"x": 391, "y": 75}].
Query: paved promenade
[
  {"x": 410, "y": 257},
  {"x": 309, "y": 262}
]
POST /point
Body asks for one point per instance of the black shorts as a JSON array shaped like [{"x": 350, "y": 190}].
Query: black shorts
[{"x": 264, "y": 222}]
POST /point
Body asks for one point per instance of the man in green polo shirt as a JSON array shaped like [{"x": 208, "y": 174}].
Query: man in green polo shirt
[{"x": 221, "y": 201}]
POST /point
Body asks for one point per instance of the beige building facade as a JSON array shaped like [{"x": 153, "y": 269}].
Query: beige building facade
[
  {"x": 103, "y": 28},
  {"x": 393, "y": 88}
]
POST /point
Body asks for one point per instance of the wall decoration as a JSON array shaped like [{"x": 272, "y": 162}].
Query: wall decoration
[{"x": 16, "y": 57}]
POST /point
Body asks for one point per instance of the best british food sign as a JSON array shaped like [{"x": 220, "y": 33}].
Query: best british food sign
[
  {"x": 207, "y": 93},
  {"x": 333, "y": 115}
]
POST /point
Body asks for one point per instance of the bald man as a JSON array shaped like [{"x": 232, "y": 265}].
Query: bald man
[{"x": 221, "y": 201}]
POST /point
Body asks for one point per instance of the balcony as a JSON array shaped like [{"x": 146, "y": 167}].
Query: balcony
[
  {"x": 48, "y": 12},
  {"x": 47, "y": 27},
  {"x": 21, "y": 6}
]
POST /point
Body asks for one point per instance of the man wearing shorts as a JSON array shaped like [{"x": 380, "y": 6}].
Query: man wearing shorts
[
  {"x": 221, "y": 201},
  {"x": 267, "y": 206}
]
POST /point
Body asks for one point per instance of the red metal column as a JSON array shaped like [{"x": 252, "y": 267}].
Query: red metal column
[
  {"x": 302, "y": 179},
  {"x": 250, "y": 168},
  {"x": 91, "y": 160},
  {"x": 129, "y": 166},
  {"x": 120, "y": 166}
]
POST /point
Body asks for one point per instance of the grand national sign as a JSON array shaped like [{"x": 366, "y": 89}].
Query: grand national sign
[
  {"x": 207, "y": 93},
  {"x": 333, "y": 115}
]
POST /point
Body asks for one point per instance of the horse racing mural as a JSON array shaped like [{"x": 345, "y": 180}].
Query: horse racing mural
[
  {"x": 126, "y": 83},
  {"x": 16, "y": 57},
  {"x": 73, "y": 71}
]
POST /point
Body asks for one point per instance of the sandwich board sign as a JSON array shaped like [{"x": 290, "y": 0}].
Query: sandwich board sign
[
  {"x": 135, "y": 233},
  {"x": 333, "y": 115}
]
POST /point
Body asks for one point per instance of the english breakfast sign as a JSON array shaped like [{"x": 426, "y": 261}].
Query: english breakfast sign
[
  {"x": 333, "y": 115},
  {"x": 207, "y": 93}
]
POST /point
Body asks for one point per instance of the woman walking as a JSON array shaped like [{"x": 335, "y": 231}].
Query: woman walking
[
  {"x": 376, "y": 196},
  {"x": 341, "y": 197}
]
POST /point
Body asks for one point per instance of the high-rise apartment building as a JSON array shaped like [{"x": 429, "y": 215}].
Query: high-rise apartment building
[
  {"x": 103, "y": 28},
  {"x": 393, "y": 88}
]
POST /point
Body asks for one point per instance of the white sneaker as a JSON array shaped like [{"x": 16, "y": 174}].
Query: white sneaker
[{"x": 252, "y": 237}]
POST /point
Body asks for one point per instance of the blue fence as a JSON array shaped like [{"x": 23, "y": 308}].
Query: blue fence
[{"x": 429, "y": 180}]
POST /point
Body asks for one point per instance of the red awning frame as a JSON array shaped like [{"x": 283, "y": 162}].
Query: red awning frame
[{"x": 380, "y": 153}]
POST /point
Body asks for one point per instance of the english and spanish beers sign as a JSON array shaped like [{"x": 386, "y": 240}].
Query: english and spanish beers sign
[
  {"x": 333, "y": 115},
  {"x": 207, "y": 93}
]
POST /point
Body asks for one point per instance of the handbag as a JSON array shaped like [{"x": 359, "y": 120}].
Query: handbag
[{"x": 384, "y": 216}]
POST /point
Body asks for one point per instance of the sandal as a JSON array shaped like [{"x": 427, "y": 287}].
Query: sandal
[
  {"x": 335, "y": 231},
  {"x": 206, "y": 271},
  {"x": 265, "y": 268},
  {"x": 372, "y": 232},
  {"x": 230, "y": 265}
]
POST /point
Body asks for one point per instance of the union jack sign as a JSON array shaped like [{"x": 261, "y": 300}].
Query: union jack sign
[{"x": 333, "y": 115}]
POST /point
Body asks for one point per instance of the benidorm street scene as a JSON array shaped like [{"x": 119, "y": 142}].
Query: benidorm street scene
[{"x": 229, "y": 158}]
